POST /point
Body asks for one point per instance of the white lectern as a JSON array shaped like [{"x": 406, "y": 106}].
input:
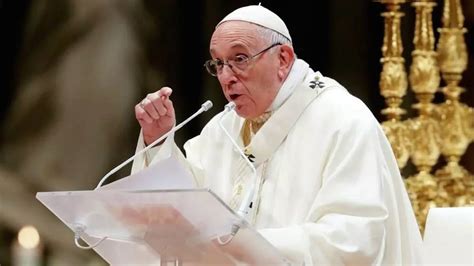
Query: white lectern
[{"x": 153, "y": 226}]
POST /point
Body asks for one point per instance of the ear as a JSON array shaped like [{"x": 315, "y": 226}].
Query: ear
[{"x": 285, "y": 58}]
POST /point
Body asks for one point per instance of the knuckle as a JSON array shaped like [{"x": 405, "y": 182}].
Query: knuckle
[
  {"x": 149, "y": 97},
  {"x": 141, "y": 112},
  {"x": 139, "y": 115}
]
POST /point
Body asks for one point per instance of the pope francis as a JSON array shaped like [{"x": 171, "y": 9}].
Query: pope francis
[{"x": 327, "y": 188}]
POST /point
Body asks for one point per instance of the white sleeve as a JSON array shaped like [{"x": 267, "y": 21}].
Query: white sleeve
[
  {"x": 155, "y": 154},
  {"x": 165, "y": 150}
]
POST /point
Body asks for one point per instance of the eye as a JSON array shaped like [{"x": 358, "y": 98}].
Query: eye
[{"x": 239, "y": 59}]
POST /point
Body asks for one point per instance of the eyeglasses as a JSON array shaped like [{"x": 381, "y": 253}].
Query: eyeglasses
[{"x": 240, "y": 62}]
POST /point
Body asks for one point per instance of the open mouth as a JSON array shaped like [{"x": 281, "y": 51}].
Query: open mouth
[{"x": 234, "y": 96}]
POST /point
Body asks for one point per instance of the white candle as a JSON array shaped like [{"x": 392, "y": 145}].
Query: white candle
[{"x": 27, "y": 248}]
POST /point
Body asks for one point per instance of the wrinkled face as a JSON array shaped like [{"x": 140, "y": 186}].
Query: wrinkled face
[{"x": 253, "y": 89}]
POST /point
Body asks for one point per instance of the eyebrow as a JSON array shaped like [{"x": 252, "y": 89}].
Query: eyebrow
[{"x": 235, "y": 45}]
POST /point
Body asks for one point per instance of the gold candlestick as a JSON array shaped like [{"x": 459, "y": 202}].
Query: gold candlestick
[
  {"x": 456, "y": 119},
  {"x": 424, "y": 129},
  {"x": 393, "y": 81}
]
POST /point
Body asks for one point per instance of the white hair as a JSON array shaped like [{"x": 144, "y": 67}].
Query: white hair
[{"x": 272, "y": 36}]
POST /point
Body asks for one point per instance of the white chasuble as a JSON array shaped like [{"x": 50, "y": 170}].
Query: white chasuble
[{"x": 328, "y": 192}]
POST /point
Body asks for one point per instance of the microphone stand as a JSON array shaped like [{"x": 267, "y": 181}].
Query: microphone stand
[
  {"x": 246, "y": 203},
  {"x": 204, "y": 107},
  {"x": 79, "y": 228}
]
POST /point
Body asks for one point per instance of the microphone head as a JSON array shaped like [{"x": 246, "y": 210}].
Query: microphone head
[
  {"x": 206, "y": 106},
  {"x": 230, "y": 106}
]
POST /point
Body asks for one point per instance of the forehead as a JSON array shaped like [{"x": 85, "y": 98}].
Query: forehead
[{"x": 234, "y": 35}]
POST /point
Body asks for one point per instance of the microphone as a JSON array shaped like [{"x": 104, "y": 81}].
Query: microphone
[
  {"x": 204, "y": 107},
  {"x": 246, "y": 203}
]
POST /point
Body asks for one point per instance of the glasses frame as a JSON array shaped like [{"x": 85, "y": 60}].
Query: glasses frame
[{"x": 218, "y": 62}]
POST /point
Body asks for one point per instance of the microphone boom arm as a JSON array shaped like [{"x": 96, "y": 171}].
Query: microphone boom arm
[
  {"x": 247, "y": 200},
  {"x": 204, "y": 107}
]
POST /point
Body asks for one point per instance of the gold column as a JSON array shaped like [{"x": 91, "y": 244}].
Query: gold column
[
  {"x": 424, "y": 129},
  {"x": 393, "y": 81},
  {"x": 456, "y": 119}
]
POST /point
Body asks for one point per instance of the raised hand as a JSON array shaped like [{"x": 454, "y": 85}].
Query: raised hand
[{"x": 155, "y": 114}]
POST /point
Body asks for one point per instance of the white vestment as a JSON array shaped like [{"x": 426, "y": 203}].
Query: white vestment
[{"x": 329, "y": 191}]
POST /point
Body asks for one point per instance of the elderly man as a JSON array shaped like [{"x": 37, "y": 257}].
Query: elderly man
[{"x": 328, "y": 190}]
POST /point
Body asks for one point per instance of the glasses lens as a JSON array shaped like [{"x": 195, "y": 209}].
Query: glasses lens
[
  {"x": 211, "y": 67},
  {"x": 240, "y": 62}
]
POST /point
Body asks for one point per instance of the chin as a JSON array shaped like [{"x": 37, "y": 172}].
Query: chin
[{"x": 243, "y": 112}]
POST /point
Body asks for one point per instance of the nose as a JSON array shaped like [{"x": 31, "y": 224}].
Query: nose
[{"x": 227, "y": 75}]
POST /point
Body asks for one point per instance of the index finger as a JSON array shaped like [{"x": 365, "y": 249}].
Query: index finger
[{"x": 165, "y": 92}]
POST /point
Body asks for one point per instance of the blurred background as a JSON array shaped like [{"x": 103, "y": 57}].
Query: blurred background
[{"x": 74, "y": 69}]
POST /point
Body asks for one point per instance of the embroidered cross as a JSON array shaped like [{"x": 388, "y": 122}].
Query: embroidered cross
[
  {"x": 249, "y": 155},
  {"x": 316, "y": 82}
]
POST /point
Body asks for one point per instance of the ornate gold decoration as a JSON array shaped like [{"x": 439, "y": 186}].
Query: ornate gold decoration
[
  {"x": 393, "y": 81},
  {"x": 456, "y": 119},
  {"x": 424, "y": 129},
  {"x": 397, "y": 134},
  {"x": 446, "y": 129}
]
